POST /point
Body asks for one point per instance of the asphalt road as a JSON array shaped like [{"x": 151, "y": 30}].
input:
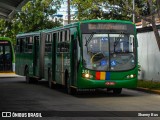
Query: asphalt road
[{"x": 19, "y": 97}]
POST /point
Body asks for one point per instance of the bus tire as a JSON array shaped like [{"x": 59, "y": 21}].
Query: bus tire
[
  {"x": 26, "y": 73},
  {"x": 71, "y": 91},
  {"x": 117, "y": 91}
]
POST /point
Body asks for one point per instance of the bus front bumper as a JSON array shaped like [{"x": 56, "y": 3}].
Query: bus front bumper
[{"x": 89, "y": 84}]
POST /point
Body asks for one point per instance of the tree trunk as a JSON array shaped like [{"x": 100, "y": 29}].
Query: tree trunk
[
  {"x": 156, "y": 33},
  {"x": 153, "y": 22}
]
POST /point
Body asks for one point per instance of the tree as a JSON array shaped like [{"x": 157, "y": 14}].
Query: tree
[
  {"x": 153, "y": 10},
  {"x": 120, "y": 9},
  {"x": 34, "y": 16},
  {"x": 100, "y": 9}
]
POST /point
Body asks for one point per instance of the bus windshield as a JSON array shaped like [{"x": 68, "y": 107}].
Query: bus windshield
[
  {"x": 5, "y": 56},
  {"x": 108, "y": 52}
]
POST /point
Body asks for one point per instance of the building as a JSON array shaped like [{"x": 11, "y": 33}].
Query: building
[{"x": 148, "y": 51}]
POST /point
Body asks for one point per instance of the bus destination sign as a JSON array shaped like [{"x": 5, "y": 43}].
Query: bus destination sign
[
  {"x": 107, "y": 28},
  {"x": 3, "y": 42},
  {"x": 110, "y": 26}
]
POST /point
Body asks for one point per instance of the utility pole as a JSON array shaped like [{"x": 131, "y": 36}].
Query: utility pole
[
  {"x": 69, "y": 15},
  {"x": 133, "y": 11}
]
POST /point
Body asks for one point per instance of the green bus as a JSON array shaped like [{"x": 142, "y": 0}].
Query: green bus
[
  {"x": 7, "y": 57},
  {"x": 84, "y": 55}
]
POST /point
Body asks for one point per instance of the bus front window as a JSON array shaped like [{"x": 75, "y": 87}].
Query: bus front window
[
  {"x": 96, "y": 51},
  {"x": 122, "y": 55},
  {"x": 108, "y": 52}
]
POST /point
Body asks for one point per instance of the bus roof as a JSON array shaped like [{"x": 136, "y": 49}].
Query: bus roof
[
  {"x": 5, "y": 38},
  {"x": 28, "y": 34},
  {"x": 96, "y": 20},
  {"x": 88, "y": 21},
  {"x": 72, "y": 25}
]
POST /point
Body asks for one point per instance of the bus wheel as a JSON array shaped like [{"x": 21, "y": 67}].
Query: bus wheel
[
  {"x": 26, "y": 73},
  {"x": 70, "y": 90},
  {"x": 117, "y": 91}
]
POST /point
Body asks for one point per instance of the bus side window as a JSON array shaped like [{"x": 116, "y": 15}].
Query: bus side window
[
  {"x": 67, "y": 38},
  {"x": 63, "y": 42},
  {"x": 17, "y": 45},
  {"x": 48, "y": 43},
  {"x": 36, "y": 46},
  {"x": 59, "y": 42},
  {"x": 22, "y": 45},
  {"x": 67, "y": 41},
  {"x": 29, "y": 44},
  {"x": 54, "y": 41},
  {"x": 61, "y": 37}
]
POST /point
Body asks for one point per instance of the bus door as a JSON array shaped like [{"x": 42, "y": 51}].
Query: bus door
[
  {"x": 5, "y": 56},
  {"x": 40, "y": 53},
  {"x": 74, "y": 60},
  {"x": 54, "y": 38},
  {"x": 36, "y": 56}
]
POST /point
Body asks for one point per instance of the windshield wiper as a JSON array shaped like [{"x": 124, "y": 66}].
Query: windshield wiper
[{"x": 89, "y": 39}]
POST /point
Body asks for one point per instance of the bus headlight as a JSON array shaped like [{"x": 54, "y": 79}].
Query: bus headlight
[
  {"x": 87, "y": 75},
  {"x": 131, "y": 76}
]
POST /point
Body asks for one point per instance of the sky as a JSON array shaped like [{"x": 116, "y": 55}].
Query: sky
[{"x": 64, "y": 10}]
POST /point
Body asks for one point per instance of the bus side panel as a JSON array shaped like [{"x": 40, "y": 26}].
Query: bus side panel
[
  {"x": 24, "y": 56},
  {"x": 24, "y": 60},
  {"x": 60, "y": 68}
]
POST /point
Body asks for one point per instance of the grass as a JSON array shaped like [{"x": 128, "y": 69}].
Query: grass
[{"x": 149, "y": 84}]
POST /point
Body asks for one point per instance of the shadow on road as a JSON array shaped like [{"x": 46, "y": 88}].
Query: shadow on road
[
  {"x": 80, "y": 94},
  {"x": 86, "y": 94}
]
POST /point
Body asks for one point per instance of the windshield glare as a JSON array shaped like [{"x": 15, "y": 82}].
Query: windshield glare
[{"x": 108, "y": 51}]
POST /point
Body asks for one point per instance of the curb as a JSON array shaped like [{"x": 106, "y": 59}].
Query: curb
[{"x": 148, "y": 90}]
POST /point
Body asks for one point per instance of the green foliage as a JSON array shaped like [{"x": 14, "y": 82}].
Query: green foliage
[
  {"x": 37, "y": 14},
  {"x": 142, "y": 7},
  {"x": 34, "y": 16},
  {"x": 112, "y": 9},
  {"x": 100, "y": 9},
  {"x": 6, "y": 28},
  {"x": 149, "y": 84}
]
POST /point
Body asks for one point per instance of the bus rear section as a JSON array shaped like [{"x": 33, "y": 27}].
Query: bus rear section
[{"x": 7, "y": 64}]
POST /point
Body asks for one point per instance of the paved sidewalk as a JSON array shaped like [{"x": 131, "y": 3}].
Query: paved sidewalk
[{"x": 9, "y": 75}]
